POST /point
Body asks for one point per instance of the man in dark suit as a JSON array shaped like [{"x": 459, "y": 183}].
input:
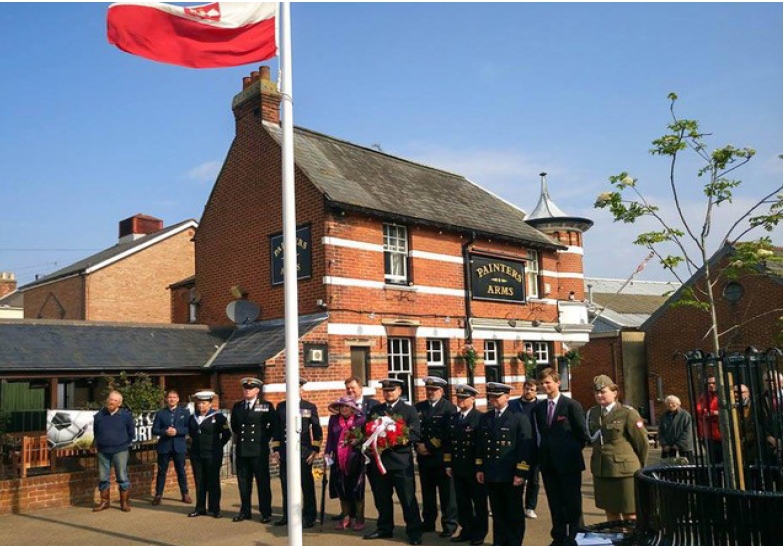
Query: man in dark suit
[
  {"x": 354, "y": 390},
  {"x": 434, "y": 416},
  {"x": 253, "y": 424},
  {"x": 310, "y": 445},
  {"x": 560, "y": 423},
  {"x": 504, "y": 447},
  {"x": 460, "y": 462},
  {"x": 399, "y": 465},
  {"x": 171, "y": 426},
  {"x": 525, "y": 405}
]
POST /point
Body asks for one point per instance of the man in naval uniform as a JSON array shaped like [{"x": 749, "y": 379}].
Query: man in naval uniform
[
  {"x": 253, "y": 424},
  {"x": 399, "y": 464},
  {"x": 503, "y": 457},
  {"x": 434, "y": 416},
  {"x": 460, "y": 459},
  {"x": 310, "y": 439}
]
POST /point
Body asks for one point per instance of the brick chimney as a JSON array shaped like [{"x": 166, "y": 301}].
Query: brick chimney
[
  {"x": 259, "y": 98},
  {"x": 7, "y": 283},
  {"x": 138, "y": 226}
]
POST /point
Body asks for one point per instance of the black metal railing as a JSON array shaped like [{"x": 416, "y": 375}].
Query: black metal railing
[{"x": 680, "y": 509}]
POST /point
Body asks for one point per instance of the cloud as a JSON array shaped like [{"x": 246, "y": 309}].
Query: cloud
[{"x": 204, "y": 173}]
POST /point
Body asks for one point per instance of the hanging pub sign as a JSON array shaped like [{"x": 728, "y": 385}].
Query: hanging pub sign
[
  {"x": 304, "y": 255},
  {"x": 497, "y": 279}
]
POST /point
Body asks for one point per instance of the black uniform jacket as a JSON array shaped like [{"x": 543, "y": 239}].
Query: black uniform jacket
[
  {"x": 311, "y": 436},
  {"x": 399, "y": 457},
  {"x": 254, "y": 428},
  {"x": 561, "y": 443},
  {"x": 209, "y": 437},
  {"x": 460, "y": 446},
  {"x": 434, "y": 422},
  {"x": 504, "y": 446}
]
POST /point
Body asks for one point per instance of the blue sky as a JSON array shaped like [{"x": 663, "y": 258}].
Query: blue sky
[{"x": 90, "y": 135}]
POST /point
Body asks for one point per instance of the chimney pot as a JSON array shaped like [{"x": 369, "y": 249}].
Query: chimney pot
[
  {"x": 265, "y": 72},
  {"x": 246, "y": 81},
  {"x": 254, "y": 76}
]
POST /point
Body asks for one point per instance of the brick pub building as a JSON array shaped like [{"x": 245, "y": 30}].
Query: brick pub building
[{"x": 400, "y": 265}]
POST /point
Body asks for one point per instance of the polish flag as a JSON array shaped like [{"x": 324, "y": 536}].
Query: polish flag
[{"x": 213, "y": 35}]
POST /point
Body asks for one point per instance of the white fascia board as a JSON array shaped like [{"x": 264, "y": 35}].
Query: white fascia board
[
  {"x": 573, "y": 250},
  {"x": 380, "y": 285},
  {"x": 147, "y": 244},
  {"x": 561, "y": 274}
]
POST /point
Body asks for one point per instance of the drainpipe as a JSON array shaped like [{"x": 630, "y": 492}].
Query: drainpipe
[{"x": 469, "y": 329}]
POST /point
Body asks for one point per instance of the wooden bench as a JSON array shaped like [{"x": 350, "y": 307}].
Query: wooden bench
[{"x": 33, "y": 453}]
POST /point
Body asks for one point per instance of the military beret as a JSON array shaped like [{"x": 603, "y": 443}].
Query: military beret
[
  {"x": 465, "y": 391},
  {"x": 432, "y": 382},
  {"x": 251, "y": 382},
  {"x": 602, "y": 381},
  {"x": 390, "y": 384},
  {"x": 497, "y": 389},
  {"x": 204, "y": 395}
]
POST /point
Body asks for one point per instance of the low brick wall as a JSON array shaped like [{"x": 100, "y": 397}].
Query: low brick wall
[{"x": 80, "y": 487}]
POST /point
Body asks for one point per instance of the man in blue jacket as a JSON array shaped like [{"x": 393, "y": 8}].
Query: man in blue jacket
[
  {"x": 113, "y": 430},
  {"x": 171, "y": 427}
]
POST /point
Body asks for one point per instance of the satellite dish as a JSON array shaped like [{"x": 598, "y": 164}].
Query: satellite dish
[{"x": 242, "y": 311}]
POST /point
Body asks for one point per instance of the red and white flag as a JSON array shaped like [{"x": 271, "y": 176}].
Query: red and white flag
[{"x": 213, "y": 35}]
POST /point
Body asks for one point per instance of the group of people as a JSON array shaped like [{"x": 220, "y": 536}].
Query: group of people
[{"x": 471, "y": 463}]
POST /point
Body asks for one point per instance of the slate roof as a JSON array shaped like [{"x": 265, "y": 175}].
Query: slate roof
[
  {"x": 377, "y": 183},
  {"x": 15, "y": 300},
  {"x": 253, "y": 344},
  {"x": 29, "y": 346},
  {"x": 104, "y": 256}
]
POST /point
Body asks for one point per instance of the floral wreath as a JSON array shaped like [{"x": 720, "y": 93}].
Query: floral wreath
[
  {"x": 469, "y": 354},
  {"x": 383, "y": 433}
]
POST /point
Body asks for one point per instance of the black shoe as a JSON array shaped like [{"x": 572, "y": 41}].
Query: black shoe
[
  {"x": 428, "y": 529},
  {"x": 281, "y": 522},
  {"x": 308, "y": 525},
  {"x": 459, "y": 538},
  {"x": 415, "y": 541},
  {"x": 265, "y": 519},
  {"x": 196, "y": 514},
  {"x": 477, "y": 542},
  {"x": 216, "y": 515},
  {"x": 446, "y": 534},
  {"x": 239, "y": 517},
  {"x": 376, "y": 534}
]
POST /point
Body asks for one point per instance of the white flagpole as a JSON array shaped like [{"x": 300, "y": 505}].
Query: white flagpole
[{"x": 293, "y": 419}]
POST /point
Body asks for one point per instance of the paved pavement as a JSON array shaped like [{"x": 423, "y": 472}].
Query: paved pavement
[{"x": 167, "y": 524}]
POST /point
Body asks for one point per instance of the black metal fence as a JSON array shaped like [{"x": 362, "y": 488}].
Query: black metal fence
[{"x": 678, "y": 509}]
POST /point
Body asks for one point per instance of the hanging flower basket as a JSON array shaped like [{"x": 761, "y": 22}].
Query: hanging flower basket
[
  {"x": 470, "y": 356},
  {"x": 529, "y": 361},
  {"x": 573, "y": 358}
]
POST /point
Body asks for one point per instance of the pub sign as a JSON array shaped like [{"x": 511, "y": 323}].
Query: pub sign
[
  {"x": 304, "y": 255},
  {"x": 497, "y": 279}
]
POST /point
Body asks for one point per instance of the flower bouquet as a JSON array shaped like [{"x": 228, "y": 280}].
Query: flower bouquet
[
  {"x": 469, "y": 354},
  {"x": 381, "y": 434}
]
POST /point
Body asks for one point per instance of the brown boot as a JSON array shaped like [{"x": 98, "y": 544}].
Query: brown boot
[
  {"x": 105, "y": 501},
  {"x": 186, "y": 498},
  {"x": 125, "y": 500}
]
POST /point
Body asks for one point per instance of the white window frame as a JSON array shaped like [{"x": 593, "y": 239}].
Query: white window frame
[
  {"x": 491, "y": 355},
  {"x": 532, "y": 274},
  {"x": 400, "y": 361},
  {"x": 395, "y": 254},
  {"x": 540, "y": 350},
  {"x": 435, "y": 353}
]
